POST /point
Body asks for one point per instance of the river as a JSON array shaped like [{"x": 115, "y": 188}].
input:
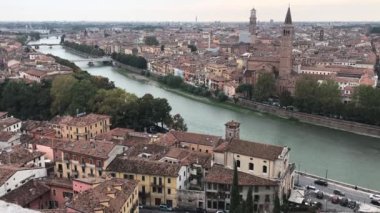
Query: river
[{"x": 347, "y": 157}]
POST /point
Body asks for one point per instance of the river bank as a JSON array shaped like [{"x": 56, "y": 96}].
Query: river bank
[{"x": 338, "y": 124}]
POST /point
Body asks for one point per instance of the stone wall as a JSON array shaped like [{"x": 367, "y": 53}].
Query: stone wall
[
  {"x": 190, "y": 199},
  {"x": 349, "y": 126}
]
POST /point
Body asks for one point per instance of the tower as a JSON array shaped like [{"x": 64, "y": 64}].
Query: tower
[
  {"x": 286, "y": 46},
  {"x": 321, "y": 34},
  {"x": 232, "y": 130},
  {"x": 253, "y": 26}
]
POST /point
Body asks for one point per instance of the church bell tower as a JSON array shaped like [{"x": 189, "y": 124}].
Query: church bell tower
[
  {"x": 286, "y": 66},
  {"x": 253, "y": 26}
]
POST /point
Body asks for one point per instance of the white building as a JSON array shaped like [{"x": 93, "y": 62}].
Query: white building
[{"x": 12, "y": 177}]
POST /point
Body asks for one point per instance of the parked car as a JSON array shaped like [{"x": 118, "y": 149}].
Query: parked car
[
  {"x": 374, "y": 197},
  {"x": 321, "y": 182},
  {"x": 166, "y": 208},
  {"x": 344, "y": 202},
  {"x": 340, "y": 193},
  {"x": 352, "y": 204},
  {"x": 311, "y": 188},
  {"x": 141, "y": 206},
  {"x": 320, "y": 195},
  {"x": 220, "y": 211},
  {"x": 335, "y": 199},
  {"x": 375, "y": 202}
]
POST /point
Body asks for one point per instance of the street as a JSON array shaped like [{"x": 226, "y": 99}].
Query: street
[{"x": 351, "y": 194}]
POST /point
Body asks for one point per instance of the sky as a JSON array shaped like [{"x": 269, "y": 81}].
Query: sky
[{"x": 187, "y": 10}]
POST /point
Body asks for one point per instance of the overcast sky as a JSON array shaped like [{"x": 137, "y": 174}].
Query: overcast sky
[{"x": 187, "y": 10}]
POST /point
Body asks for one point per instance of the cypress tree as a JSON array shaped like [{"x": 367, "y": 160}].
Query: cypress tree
[
  {"x": 235, "y": 196},
  {"x": 277, "y": 205},
  {"x": 249, "y": 201}
]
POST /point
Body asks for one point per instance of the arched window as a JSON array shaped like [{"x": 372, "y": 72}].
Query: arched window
[
  {"x": 238, "y": 163},
  {"x": 265, "y": 169},
  {"x": 250, "y": 166}
]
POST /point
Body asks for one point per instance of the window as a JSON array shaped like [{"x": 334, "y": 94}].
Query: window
[
  {"x": 214, "y": 205},
  {"x": 169, "y": 181},
  {"x": 125, "y": 176},
  {"x": 159, "y": 190},
  {"x": 154, "y": 189},
  {"x": 169, "y": 191},
  {"x": 256, "y": 189},
  {"x": 143, "y": 178},
  {"x": 267, "y": 187},
  {"x": 257, "y": 198},
  {"x": 267, "y": 199},
  {"x": 206, "y": 150},
  {"x": 54, "y": 192},
  {"x": 238, "y": 163},
  {"x": 265, "y": 169},
  {"x": 250, "y": 166},
  {"x": 209, "y": 204}
]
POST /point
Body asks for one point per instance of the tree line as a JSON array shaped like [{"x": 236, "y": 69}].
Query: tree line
[
  {"x": 320, "y": 98},
  {"x": 91, "y": 50},
  {"x": 81, "y": 92},
  {"x": 130, "y": 60}
]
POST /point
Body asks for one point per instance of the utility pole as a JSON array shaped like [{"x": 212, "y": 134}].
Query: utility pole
[
  {"x": 299, "y": 170},
  {"x": 326, "y": 173}
]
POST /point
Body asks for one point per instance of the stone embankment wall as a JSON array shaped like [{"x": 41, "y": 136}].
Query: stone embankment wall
[{"x": 354, "y": 127}]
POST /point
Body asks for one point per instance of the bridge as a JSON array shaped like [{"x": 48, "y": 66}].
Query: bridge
[
  {"x": 43, "y": 44},
  {"x": 102, "y": 59}
]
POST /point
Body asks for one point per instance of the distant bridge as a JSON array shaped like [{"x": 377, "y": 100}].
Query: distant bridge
[
  {"x": 102, "y": 59},
  {"x": 43, "y": 44}
]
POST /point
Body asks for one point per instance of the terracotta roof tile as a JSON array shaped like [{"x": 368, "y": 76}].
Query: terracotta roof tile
[
  {"x": 219, "y": 174},
  {"x": 253, "y": 149},
  {"x": 91, "y": 199},
  {"x": 138, "y": 166},
  {"x": 26, "y": 193}
]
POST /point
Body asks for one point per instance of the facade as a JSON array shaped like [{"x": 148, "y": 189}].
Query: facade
[
  {"x": 218, "y": 187},
  {"x": 9, "y": 139},
  {"x": 61, "y": 192},
  {"x": 113, "y": 195},
  {"x": 12, "y": 177},
  {"x": 158, "y": 182},
  {"x": 10, "y": 124},
  {"x": 82, "y": 159},
  {"x": 83, "y": 127},
  {"x": 33, "y": 195}
]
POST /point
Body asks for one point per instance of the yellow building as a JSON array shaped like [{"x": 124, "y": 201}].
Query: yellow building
[
  {"x": 83, "y": 127},
  {"x": 158, "y": 181},
  {"x": 114, "y": 195},
  {"x": 83, "y": 159}
]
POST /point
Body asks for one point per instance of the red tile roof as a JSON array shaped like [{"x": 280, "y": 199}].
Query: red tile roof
[
  {"x": 252, "y": 149},
  {"x": 219, "y": 174},
  {"x": 196, "y": 138}
]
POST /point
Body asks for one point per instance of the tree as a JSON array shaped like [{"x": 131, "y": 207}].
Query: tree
[
  {"x": 305, "y": 94},
  {"x": 63, "y": 39},
  {"x": 151, "y": 41},
  {"x": 249, "y": 200},
  {"x": 161, "y": 111},
  {"x": 192, "y": 48},
  {"x": 235, "y": 196},
  {"x": 246, "y": 89},
  {"x": 81, "y": 94},
  {"x": 264, "y": 87},
  {"x": 178, "y": 123},
  {"x": 221, "y": 97},
  {"x": 286, "y": 98},
  {"x": 61, "y": 93},
  {"x": 328, "y": 96},
  {"x": 277, "y": 205}
]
